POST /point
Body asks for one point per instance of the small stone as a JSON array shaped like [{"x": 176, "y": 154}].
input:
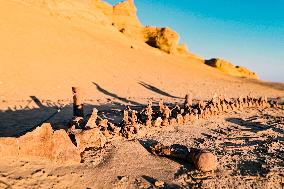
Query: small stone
[
  {"x": 159, "y": 183},
  {"x": 145, "y": 184},
  {"x": 158, "y": 122},
  {"x": 122, "y": 178}
]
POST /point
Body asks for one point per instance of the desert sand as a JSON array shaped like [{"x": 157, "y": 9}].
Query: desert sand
[{"x": 47, "y": 47}]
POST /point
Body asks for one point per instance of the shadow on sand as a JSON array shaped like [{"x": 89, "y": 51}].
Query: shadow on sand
[
  {"x": 258, "y": 142},
  {"x": 113, "y": 95},
  {"x": 156, "y": 90},
  {"x": 256, "y": 126},
  {"x": 15, "y": 122}
]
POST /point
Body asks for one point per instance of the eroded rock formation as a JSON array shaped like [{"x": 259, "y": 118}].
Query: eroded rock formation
[
  {"x": 91, "y": 138},
  {"x": 42, "y": 142},
  {"x": 231, "y": 69},
  {"x": 124, "y": 15},
  {"x": 162, "y": 38}
]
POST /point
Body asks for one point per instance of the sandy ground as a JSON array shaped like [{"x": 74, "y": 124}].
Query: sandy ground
[
  {"x": 248, "y": 144},
  {"x": 42, "y": 56}
]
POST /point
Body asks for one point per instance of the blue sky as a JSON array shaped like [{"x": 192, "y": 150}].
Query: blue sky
[{"x": 245, "y": 32}]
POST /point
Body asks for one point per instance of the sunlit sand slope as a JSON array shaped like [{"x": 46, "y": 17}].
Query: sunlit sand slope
[{"x": 43, "y": 55}]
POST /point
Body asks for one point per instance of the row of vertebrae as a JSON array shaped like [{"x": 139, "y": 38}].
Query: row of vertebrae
[
  {"x": 134, "y": 121},
  {"x": 218, "y": 105},
  {"x": 192, "y": 111}
]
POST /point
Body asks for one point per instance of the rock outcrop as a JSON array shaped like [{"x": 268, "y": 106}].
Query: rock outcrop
[
  {"x": 53, "y": 145},
  {"x": 125, "y": 19},
  {"x": 123, "y": 16},
  {"x": 231, "y": 69},
  {"x": 92, "y": 138},
  {"x": 162, "y": 38},
  {"x": 42, "y": 142}
]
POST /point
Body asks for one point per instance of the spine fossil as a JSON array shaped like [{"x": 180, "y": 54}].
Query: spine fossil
[
  {"x": 164, "y": 116},
  {"x": 134, "y": 122}
]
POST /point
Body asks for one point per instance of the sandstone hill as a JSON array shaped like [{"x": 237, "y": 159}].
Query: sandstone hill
[
  {"x": 231, "y": 69},
  {"x": 47, "y": 46}
]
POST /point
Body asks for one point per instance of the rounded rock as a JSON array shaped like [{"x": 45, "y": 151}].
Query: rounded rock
[{"x": 205, "y": 161}]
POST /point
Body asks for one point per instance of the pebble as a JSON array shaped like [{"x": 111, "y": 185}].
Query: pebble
[{"x": 159, "y": 183}]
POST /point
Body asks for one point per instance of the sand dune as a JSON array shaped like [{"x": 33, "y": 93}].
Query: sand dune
[{"x": 44, "y": 55}]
